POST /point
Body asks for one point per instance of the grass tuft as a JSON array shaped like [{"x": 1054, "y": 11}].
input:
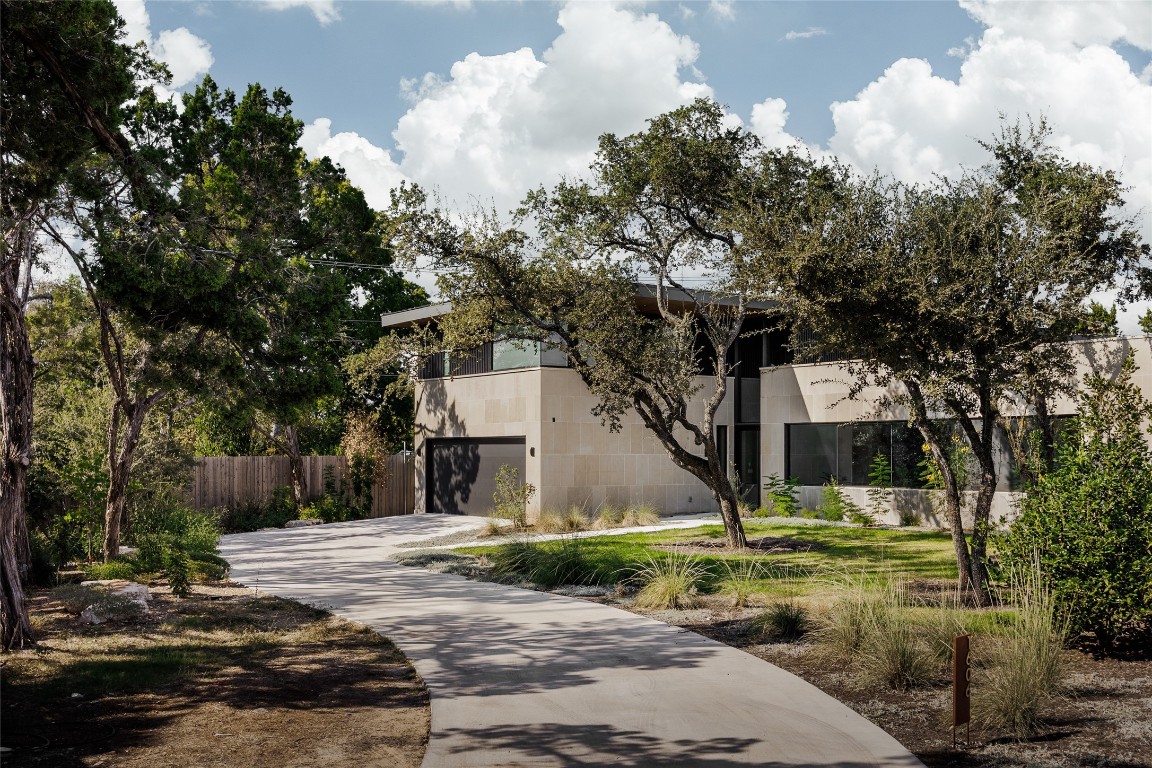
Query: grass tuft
[
  {"x": 742, "y": 580},
  {"x": 1025, "y": 670},
  {"x": 785, "y": 620},
  {"x": 670, "y": 583}
]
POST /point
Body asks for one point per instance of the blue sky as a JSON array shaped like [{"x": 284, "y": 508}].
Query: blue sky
[{"x": 485, "y": 100}]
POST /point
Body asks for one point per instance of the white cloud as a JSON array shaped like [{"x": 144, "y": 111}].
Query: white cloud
[
  {"x": 722, "y": 8},
  {"x": 500, "y": 125},
  {"x": 325, "y": 11},
  {"x": 369, "y": 167},
  {"x": 686, "y": 12},
  {"x": 1047, "y": 59},
  {"x": 810, "y": 32},
  {"x": 186, "y": 55},
  {"x": 1070, "y": 23}
]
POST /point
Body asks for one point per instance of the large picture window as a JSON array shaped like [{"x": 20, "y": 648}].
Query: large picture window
[{"x": 817, "y": 452}]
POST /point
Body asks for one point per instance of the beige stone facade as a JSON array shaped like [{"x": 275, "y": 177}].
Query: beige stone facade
[
  {"x": 817, "y": 393},
  {"x": 571, "y": 458}
]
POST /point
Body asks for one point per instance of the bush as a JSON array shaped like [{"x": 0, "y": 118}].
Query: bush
[
  {"x": 640, "y": 515},
  {"x": 1088, "y": 521},
  {"x": 252, "y": 516},
  {"x": 331, "y": 509},
  {"x": 117, "y": 569},
  {"x": 511, "y": 497},
  {"x": 782, "y": 497},
  {"x": 835, "y": 504},
  {"x": 179, "y": 570},
  {"x": 669, "y": 583}
]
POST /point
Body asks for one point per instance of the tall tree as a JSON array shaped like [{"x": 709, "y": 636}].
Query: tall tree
[
  {"x": 66, "y": 75},
  {"x": 958, "y": 292},
  {"x": 659, "y": 203}
]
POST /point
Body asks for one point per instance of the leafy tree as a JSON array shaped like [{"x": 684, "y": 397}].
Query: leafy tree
[
  {"x": 66, "y": 76},
  {"x": 659, "y": 203},
  {"x": 954, "y": 295},
  {"x": 1146, "y": 321},
  {"x": 879, "y": 486},
  {"x": 1088, "y": 521}
]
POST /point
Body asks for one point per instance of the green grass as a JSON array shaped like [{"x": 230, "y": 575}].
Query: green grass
[{"x": 905, "y": 554}]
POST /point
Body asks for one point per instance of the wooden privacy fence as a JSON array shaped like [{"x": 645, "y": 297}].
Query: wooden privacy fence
[{"x": 225, "y": 481}]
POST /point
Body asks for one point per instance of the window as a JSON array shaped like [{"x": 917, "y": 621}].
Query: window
[{"x": 817, "y": 452}]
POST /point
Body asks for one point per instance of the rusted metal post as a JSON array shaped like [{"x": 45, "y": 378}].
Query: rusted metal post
[{"x": 961, "y": 687}]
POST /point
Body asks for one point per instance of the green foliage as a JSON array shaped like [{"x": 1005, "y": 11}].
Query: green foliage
[
  {"x": 741, "y": 580},
  {"x": 115, "y": 569},
  {"x": 546, "y": 564},
  {"x": 332, "y": 509},
  {"x": 1146, "y": 321},
  {"x": 1089, "y": 520},
  {"x": 782, "y": 497},
  {"x": 511, "y": 497},
  {"x": 1024, "y": 672},
  {"x": 253, "y": 515},
  {"x": 835, "y": 504},
  {"x": 879, "y": 490},
  {"x": 784, "y": 620},
  {"x": 179, "y": 570},
  {"x": 1098, "y": 320},
  {"x": 670, "y": 582}
]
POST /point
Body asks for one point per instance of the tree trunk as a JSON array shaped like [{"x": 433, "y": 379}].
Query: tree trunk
[
  {"x": 296, "y": 462},
  {"x": 16, "y": 371},
  {"x": 966, "y": 584},
  {"x": 121, "y": 453},
  {"x": 730, "y": 514}
]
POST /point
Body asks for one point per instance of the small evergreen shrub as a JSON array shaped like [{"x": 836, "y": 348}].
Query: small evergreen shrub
[
  {"x": 116, "y": 569},
  {"x": 879, "y": 491},
  {"x": 179, "y": 570},
  {"x": 782, "y": 497},
  {"x": 835, "y": 504}
]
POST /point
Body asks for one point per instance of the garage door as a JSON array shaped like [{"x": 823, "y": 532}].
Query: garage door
[{"x": 462, "y": 472}]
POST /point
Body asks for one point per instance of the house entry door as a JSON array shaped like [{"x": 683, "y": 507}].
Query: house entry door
[{"x": 748, "y": 463}]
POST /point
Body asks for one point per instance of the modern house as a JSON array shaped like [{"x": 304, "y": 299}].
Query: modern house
[{"x": 519, "y": 404}]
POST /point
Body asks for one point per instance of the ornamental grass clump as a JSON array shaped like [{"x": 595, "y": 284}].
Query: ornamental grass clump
[
  {"x": 546, "y": 564},
  {"x": 640, "y": 515},
  {"x": 670, "y": 583},
  {"x": 894, "y": 651},
  {"x": 1025, "y": 670},
  {"x": 742, "y": 580},
  {"x": 785, "y": 620}
]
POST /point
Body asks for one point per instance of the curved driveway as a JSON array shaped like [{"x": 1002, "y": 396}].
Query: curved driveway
[{"x": 527, "y": 678}]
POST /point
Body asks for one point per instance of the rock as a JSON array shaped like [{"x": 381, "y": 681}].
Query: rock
[
  {"x": 302, "y": 523},
  {"x": 90, "y": 616},
  {"x": 129, "y": 589}
]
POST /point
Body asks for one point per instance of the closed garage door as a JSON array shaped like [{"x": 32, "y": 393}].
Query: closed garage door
[{"x": 462, "y": 472}]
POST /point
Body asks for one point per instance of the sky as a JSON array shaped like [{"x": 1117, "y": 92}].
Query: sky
[{"x": 484, "y": 101}]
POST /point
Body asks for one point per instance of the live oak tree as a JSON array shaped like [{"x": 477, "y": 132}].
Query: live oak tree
[
  {"x": 657, "y": 204},
  {"x": 955, "y": 295},
  {"x": 66, "y": 76}
]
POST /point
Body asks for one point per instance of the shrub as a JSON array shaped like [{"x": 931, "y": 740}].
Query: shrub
[
  {"x": 1025, "y": 671},
  {"x": 75, "y": 597},
  {"x": 252, "y": 516},
  {"x": 669, "y": 583},
  {"x": 1090, "y": 517},
  {"x": 511, "y": 497},
  {"x": 782, "y": 497},
  {"x": 909, "y": 517},
  {"x": 784, "y": 620},
  {"x": 571, "y": 521},
  {"x": 179, "y": 571},
  {"x": 331, "y": 509},
  {"x": 835, "y": 504},
  {"x": 117, "y": 569},
  {"x": 879, "y": 490}
]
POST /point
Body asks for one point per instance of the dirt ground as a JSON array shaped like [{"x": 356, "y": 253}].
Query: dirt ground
[
  {"x": 221, "y": 678},
  {"x": 1104, "y": 718}
]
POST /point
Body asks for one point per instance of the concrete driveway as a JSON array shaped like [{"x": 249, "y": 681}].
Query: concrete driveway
[{"x": 520, "y": 678}]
